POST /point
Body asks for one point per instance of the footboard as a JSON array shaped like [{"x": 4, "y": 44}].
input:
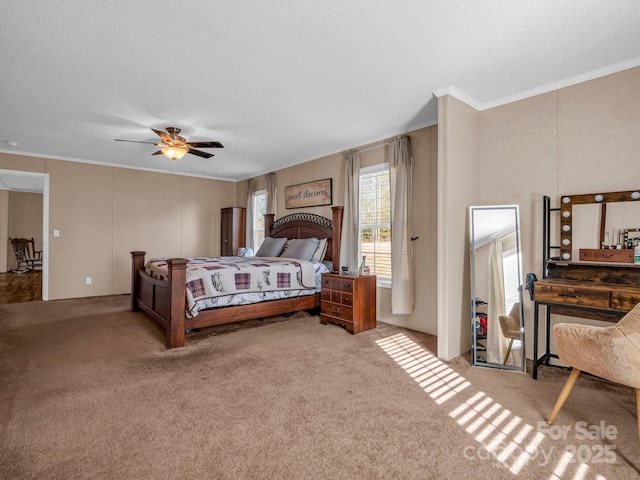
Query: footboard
[{"x": 164, "y": 301}]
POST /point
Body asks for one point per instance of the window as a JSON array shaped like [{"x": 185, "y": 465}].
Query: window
[
  {"x": 375, "y": 219},
  {"x": 259, "y": 210}
]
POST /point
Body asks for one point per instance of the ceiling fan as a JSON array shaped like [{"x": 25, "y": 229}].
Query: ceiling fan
[{"x": 175, "y": 147}]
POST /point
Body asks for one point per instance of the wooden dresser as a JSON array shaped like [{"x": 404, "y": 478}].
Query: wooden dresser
[{"x": 349, "y": 301}]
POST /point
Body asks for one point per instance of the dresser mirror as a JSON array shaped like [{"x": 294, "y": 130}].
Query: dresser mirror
[{"x": 497, "y": 328}]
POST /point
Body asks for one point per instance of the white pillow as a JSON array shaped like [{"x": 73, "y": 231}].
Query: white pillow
[
  {"x": 320, "y": 252},
  {"x": 271, "y": 247},
  {"x": 302, "y": 249}
]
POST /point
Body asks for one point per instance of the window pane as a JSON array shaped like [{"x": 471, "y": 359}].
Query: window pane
[
  {"x": 259, "y": 210},
  {"x": 375, "y": 221}
]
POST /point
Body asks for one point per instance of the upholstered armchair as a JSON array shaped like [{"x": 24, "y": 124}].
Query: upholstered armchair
[
  {"x": 610, "y": 352},
  {"x": 510, "y": 327}
]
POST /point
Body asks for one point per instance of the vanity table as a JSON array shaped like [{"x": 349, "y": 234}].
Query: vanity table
[{"x": 603, "y": 287}]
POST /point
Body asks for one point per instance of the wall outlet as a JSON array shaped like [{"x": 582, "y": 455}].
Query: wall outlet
[{"x": 88, "y": 281}]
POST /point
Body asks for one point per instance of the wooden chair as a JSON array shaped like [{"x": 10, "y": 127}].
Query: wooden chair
[
  {"x": 26, "y": 254},
  {"x": 612, "y": 353}
]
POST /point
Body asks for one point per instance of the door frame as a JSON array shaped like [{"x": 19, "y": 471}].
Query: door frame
[{"x": 43, "y": 187}]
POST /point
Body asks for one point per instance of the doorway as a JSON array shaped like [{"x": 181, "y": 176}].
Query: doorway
[{"x": 18, "y": 183}]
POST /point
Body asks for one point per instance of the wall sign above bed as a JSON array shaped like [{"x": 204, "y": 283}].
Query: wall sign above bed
[{"x": 312, "y": 194}]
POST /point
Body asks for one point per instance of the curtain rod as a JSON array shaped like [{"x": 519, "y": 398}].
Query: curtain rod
[
  {"x": 372, "y": 148},
  {"x": 378, "y": 146}
]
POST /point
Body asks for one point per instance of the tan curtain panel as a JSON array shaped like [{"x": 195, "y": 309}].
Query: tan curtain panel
[
  {"x": 350, "y": 240},
  {"x": 271, "y": 193},
  {"x": 400, "y": 170}
]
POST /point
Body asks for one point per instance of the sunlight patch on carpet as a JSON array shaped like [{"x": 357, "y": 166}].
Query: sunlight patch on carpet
[
  {"x": 435, "y": 378},
  {"x": 502, "y": 437}
]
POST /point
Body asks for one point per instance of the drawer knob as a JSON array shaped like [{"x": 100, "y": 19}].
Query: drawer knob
[
  {"x": 570, "y": 295},
  {"x": 335, "y": 310}
]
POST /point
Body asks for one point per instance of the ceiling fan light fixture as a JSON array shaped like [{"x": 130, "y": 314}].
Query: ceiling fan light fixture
[{"x": 174, "y": 153}]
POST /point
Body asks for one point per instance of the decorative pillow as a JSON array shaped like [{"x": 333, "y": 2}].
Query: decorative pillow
[
  {"x": 302, "y": 249},
  {"x": 320, "y": 252},
  {"x": 271, "y": 247}
]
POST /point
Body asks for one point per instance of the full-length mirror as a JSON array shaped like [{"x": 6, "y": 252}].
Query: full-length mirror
[{"x": 497, "y": 327}]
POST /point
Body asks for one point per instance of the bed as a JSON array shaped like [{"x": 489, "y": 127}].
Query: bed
[{"x": 164, "y": 298}]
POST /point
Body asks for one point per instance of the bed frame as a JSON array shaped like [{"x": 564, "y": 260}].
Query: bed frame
[{"x": 164, "y": 300}]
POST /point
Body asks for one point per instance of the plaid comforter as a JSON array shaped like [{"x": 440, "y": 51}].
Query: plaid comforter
[{"x": 210, "y": 277}]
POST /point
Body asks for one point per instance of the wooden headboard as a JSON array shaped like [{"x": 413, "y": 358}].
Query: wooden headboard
[{"x": 310, "y": 225}]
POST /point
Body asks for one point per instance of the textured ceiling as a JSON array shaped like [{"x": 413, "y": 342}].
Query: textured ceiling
[{"x": 280, "y": 82}]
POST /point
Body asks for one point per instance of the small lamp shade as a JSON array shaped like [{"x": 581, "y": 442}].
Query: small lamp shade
[{"x": 174, "y": 153}]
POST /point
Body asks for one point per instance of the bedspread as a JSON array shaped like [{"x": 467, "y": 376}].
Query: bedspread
[{"x": 212, "y": 277}]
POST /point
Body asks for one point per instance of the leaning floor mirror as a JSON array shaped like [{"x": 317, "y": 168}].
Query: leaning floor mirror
[{"x": 497, "y": 327}]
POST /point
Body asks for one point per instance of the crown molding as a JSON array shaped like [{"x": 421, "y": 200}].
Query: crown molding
[{"x": 585, "y": 77}]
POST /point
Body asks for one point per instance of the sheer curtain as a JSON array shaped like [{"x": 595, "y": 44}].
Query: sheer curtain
[
  {"x": 251, "y": 188},
  {"x": 402, "y": 286},
  {"x": 496, "y": 343},
  {"x": 350, "y": 240}
]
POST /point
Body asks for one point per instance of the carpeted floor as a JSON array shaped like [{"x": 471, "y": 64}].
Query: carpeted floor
[{"x": 89, "y": 391}]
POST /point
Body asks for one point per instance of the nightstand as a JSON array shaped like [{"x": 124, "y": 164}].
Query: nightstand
[{"x": 349, "y": 301}]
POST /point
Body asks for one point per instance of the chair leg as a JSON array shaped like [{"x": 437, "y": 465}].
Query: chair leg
[
  {"x": 506, "y": 355},
  {"x": 638, "y": 407},
  {"x": 564, "y": 394}
]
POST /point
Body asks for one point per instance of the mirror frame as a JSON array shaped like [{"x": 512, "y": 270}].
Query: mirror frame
[
  {"x": 472, "y": 261},
  {"x": 566, "y": 214}
]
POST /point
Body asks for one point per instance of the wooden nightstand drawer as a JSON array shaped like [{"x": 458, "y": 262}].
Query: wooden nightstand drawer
[
  {"x": 325, "y": 295},
  {"x": 337, "y": 310},
  {"x": 569, "y": 295},
  {"x": 346, "y": 299},
  {"x": 344, "y": 284}
]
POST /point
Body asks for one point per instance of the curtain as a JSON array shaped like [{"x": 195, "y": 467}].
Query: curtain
[
  {"x": 350, "y": 239},
  {"x": 496, "y": 343},
  {"x": 400, "y": 170},
  {"x": 271, "y": 192},
  {"x": 251, "y": 187}
]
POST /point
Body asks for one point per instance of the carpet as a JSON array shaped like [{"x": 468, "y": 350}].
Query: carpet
[{"x": 89, "y": 391}]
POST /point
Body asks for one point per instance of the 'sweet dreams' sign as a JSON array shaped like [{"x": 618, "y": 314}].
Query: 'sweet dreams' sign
[{"x": 310, "y": 194}]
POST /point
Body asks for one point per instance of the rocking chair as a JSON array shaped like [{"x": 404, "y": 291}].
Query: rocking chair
[{"x": 26, "y": 254}]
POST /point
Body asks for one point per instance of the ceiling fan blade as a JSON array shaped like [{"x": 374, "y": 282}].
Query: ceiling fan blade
[
  {"x": 159, "y": 152},
  {"x": 200, "y": 154},
  {"x": 206, "y": 144},
  {"x": 166, "y": 138},
  {"x": 136, "y": 141}
]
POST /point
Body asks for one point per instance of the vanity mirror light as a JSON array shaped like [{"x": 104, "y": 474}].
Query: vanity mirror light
[
  {"x": 497, "y": 327},
  {"x": 598, "y": 220}
]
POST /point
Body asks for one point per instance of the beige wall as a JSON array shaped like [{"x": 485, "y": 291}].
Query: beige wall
[
  {"x": 103, "y": 213},
  {"x": 579, "y": 139},
  {"x": 458, "y": 189},
  {"x": 424, "y": 148}
]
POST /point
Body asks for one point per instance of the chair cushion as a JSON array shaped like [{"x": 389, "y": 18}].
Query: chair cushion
[{"x": 608, "y": 352}]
